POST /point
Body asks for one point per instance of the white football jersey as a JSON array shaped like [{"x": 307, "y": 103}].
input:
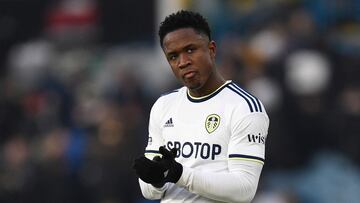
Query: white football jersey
[{"x": 208, "y": 131}]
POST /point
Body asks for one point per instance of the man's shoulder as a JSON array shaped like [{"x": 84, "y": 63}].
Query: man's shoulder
[
  {"x": 171, "y": 93},
  {"x": 166, "y": 100},
  {"x": 169, "y": 96},
  {"x": 238, "y": 96}
]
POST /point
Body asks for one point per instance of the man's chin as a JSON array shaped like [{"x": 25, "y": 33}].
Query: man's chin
[{"x": 193, "y": 86}]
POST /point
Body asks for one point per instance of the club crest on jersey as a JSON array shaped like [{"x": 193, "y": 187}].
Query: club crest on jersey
[{"x": 212, "y": 122}]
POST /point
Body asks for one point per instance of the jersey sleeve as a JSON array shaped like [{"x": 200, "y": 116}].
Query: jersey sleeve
[
  {"x": 248, "y": 136},
  {"x": 152, "y": 149},
  {"x": 239, "y": 184},
  {"x": 150, "y": 192},
  {"x": 154, "y": 138}
]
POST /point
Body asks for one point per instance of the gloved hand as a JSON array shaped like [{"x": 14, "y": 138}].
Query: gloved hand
[
  {"x": 159, "y": 170},
  {"x": 174, "y": 169},
  {"x": 149, "y": 171}
]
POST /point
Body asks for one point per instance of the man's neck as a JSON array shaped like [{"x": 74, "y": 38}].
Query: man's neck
[{"x": 209, "y": 88}]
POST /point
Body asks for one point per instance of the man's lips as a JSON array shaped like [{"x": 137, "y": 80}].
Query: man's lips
[{"x": 189, "y": 74}]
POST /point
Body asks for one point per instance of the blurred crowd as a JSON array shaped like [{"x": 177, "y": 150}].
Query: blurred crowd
[{"x": 74, "y": 104}]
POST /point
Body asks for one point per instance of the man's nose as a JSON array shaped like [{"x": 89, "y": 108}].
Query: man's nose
[{"x": 184, "y": 61}]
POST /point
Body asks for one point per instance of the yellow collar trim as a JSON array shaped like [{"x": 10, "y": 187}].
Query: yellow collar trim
[{"x": 203, "y": 97}]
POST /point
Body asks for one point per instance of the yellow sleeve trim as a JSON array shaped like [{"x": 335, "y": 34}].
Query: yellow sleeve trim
[
  {"x": 247, "y": 159},
  {"x": 152, "y": 155}
]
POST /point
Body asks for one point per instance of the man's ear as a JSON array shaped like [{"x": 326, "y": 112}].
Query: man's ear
[{"x": 212, "y": 48}]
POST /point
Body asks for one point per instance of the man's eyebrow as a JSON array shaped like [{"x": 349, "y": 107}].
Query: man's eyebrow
[
  {"x": 190, "y": 44},
  {"x": 170, "y": 53}
]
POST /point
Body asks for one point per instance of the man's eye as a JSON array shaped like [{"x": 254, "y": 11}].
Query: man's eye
[
  {"x": 190, "y": 50},
  {"x": 172, "y": 57}
]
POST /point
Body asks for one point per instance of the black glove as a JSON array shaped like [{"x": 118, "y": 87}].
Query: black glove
[
  {"x": 159, "y": 170},
  {"x": 150, "y": 171},
  {"x": 174, "y": 169}
]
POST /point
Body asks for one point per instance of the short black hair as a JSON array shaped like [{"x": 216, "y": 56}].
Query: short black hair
[{"x": 184, "y": 19}]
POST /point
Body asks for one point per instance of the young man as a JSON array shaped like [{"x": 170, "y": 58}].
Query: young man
[{"x": 206, "y": 139}]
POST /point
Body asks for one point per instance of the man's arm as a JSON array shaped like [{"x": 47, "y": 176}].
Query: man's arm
[
  {"x": 151, "y": 192},
  {"x": 152, "y": 150},
  {"x": 237, "y": 185}
]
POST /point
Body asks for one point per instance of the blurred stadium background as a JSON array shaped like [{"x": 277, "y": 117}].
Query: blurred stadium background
[{"x": 78, "y": 78}]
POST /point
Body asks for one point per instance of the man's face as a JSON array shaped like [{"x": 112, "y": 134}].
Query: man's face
[{"x": 191, "y": 56}]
